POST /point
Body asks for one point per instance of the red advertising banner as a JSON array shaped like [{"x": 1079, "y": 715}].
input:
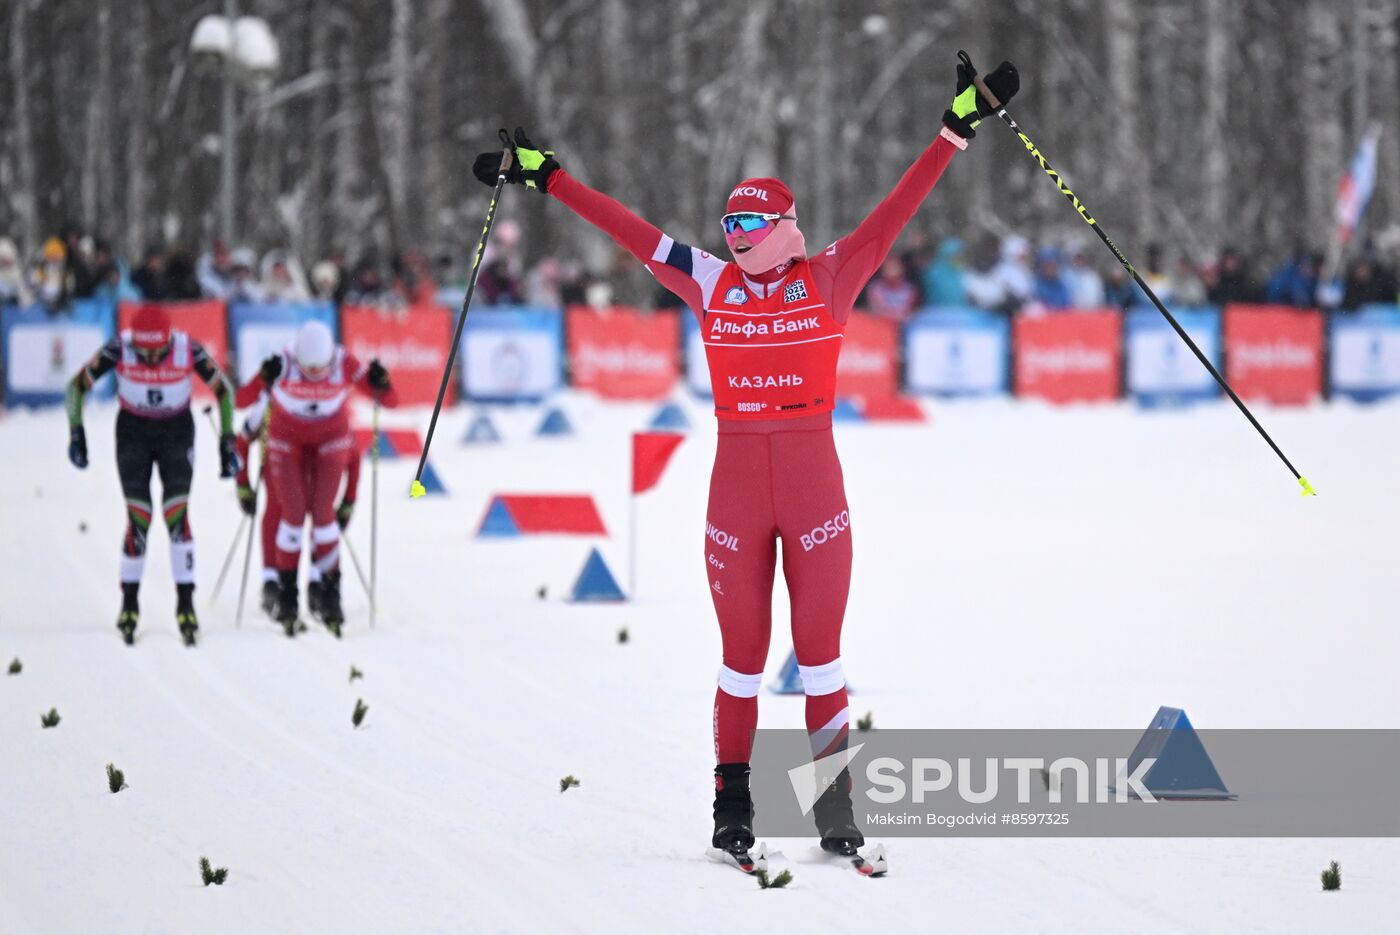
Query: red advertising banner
[
  {"x": 411, "y": 343},
  {"x": 1065, "y": 357},
  {"x": 623, "y": 353},
  {"x": 206, "y": 321},
  {"x": 1274, "y": 353},
  {"x": 869, "y": 364}
]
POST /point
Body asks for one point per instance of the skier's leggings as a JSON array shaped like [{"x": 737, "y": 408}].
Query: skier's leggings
[
  {"x": 774, "y": 480},
  {"x": 304, "y": 480},
  {"x": 166, "y": 444}
]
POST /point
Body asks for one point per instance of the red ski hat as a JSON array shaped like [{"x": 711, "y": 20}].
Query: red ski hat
[
  {"x": 150, "y": 327},
  {"x": 761, "y": 196}
]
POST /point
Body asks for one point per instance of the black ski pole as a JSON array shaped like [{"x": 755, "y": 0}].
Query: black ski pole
[
  {"x": 1147, "y": 290},
  {"x": 416, "y": 490}
]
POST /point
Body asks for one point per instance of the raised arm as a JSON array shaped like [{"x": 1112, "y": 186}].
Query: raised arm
[
  {"x": 685, "y": 270},
  {"x": 844, "y": 268}
]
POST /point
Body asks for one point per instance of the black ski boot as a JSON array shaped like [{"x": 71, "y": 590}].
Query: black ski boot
[
  {"x": 269, "y": 598},
  {"x": 287, "y": 601},
  {"x": 835, "y": 818},
  {"x": 314, "y": 591},
  {"x": 131, "y": 613},
  {"x": 331, "y": 614},
  {"x": 185, "y": 616},
  {"x": 733, "y": 809}
]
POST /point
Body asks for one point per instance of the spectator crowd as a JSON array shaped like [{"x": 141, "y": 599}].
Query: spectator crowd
[{"x": 1008, "y": 275}]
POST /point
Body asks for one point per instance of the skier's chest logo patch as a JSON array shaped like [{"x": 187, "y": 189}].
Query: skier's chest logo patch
[
  {"x": 795, "y": 291},
  {"x": 736, "y": 296}
]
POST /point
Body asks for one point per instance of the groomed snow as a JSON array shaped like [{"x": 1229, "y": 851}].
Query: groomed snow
[{"x": 1016, "y": 566}]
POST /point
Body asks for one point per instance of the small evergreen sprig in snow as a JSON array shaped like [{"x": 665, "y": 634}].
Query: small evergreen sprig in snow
[
  {"x": 567, "y": 783},
  {"x": 1332, "y": 877},
  {"x": 866, "y": 723},
  {"x": 777, "y": 883},
  {"x": 355, "y": 674},
  {"x": 210, "y": 875},
  {"x": 51, "y": 719},
  {"x": 358, "y": 714},
  {"x": 116, "y": 779},
  {"x": 15, "y": 666}
]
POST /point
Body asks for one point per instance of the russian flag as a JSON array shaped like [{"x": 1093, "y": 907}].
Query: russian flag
[{"x": 1354, "y": 190}]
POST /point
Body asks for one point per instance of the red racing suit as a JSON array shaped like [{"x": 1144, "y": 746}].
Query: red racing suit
[
  {"x": 309, "y": 445},
  {"x": 272, "y": 513},
  {"x": 772, "y": 343}
]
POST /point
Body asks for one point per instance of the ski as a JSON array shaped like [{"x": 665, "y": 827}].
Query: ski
[
  {"x": 876, "y": 865},
  {"x": 742, "y": 859}
]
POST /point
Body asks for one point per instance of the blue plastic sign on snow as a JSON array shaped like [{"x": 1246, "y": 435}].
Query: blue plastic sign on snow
[
  {"x": 596, "y": 582},
  {"x": 1183, "y": 769},
  {"x": 953, "y": 351},
  {"x": 512, "y": 354},
  {"x": 42, "y": 351},
  {"x": 555, "y": 425},
  {"x": 670, "y": 417},
  {"x": 1365, "y": 359},
  {"x": 482, "y": 431},
  {"x": 1162, "y": 371}
]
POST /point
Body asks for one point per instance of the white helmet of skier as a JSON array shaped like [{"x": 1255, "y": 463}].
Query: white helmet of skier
[{"x": 313, "y": 349}]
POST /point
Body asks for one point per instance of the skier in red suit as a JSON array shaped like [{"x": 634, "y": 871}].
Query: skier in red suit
[
  {"x": 772, "y": 320},
  {"x": 308, "y": 445},
  {"x": 272, "y": 515}
]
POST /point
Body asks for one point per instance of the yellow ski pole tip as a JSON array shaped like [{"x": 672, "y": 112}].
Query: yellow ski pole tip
[
  {"x": 416, "y": 490},
  {"x": 1307, "y": 488}
]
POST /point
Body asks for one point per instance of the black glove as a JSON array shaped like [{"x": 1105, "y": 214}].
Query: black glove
[
  {"x": 247, "y": 499},
  {"x": 229, "y": 462},
  {"x": 271, "y": 369},
  {"x": 530, "y": 167},
  {"x": 77, "y": 446},
  {"x": 969, "y": 106},
  {"x": 378, "y": 377},
  {"x": 344, "y": 512}
]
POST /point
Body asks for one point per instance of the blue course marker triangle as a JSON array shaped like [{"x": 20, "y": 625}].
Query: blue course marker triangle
[
  {"x": 555, "y": 424},
  {"x": 789, "y": 680},
  {"x": 431, "y": 482},
  {"x": 498, "y": 521},
  {"x": 670, "y": 417},
  {"x": 1183, "y": 769},
  {"x": 596, "y": 582},
  {"x": 386, "y": 447},
  {"x": 482, "y": 431}
]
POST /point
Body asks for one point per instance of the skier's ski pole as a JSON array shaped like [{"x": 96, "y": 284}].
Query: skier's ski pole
[
  {"x": 416, "y": 490},
  {"x": 1147, "y": 290},
  {"x": 232, "y": 546},
  {"x": 359, "y": 569},
  {"x": 374, "y": 512},
  {"x": 248, "y": 550}
]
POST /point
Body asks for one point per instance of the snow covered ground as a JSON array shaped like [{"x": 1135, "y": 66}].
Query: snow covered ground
[{"x": 1016, "y": 566}]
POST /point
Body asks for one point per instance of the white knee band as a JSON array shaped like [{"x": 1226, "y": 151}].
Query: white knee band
[
  {"x": 823, "y": 679},
  {"x": 324, "y": 534},
  {"x": 288, "y": 537},
  {"x": 132, "y": 566},
  {"x": 738, "y": 684},
  {"x": 182, "y": 562}
]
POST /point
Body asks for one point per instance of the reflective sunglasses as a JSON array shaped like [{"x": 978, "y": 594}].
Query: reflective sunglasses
[{"x": 750, "y": 221}]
